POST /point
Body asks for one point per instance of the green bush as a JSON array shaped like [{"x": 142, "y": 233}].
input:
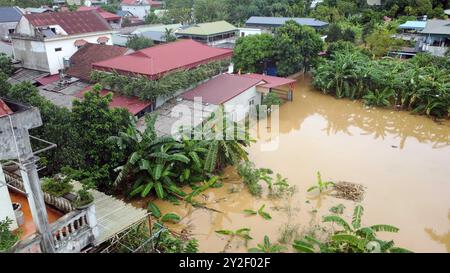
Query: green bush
[
  {"x": 56, "y": 187},
  {"x": 7, "y": 238}
]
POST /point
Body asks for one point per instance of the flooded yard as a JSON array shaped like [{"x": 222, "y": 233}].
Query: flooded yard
[{"x": 402, "y": 160}]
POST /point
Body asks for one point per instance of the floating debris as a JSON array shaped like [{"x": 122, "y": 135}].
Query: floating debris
[{"x": 349, "y": 191}]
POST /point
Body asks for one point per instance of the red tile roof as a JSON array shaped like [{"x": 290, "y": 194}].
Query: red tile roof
[
  {"x": 4, "y": 109},
  {"x": 108, "y": 16},
  {"x": 81, "y": 62},
  {"x": 272, "y": 81},
  {"x": 221, "y": 89},
  {"x": 76, "y": 22},
  {"x": 155, "y": 61},
  {"x": 133, "y": 104},
  {"x": 136, "y": 3}
]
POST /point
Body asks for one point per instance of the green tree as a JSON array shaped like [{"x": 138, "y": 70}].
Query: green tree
[
  {"x": 253, "y": 53},
  {"x": 297, "y": 47},
  {"x": 95, "y": 121},
  {"x": 334, "y": 33},
  {"x": 138, "y": 42},
  {"x": 380, "y": 42},
  {"x": 5, "y": 64},
  {"x": 210, "y": 10},
  {"x": 151, "y": 18}
]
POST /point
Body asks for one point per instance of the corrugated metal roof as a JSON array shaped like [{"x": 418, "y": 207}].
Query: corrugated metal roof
[
  {"x": 4, "y": 109},
  {"x": 81, "y": 62},
  {"x": 207, "y": 28},
  {"x": 141, "y": 3},
  {"x": 279, "y": 21},
  {"x": 140, "y": 30},
  {"x": 221, "y": 89},
  {"x": 133, "y": 104},
  {"x": 75, "y": 22},
  {"x": 413, "y": 25},
  {"x": 10, "y": 14},
  {"x": 157, "y": 60},
  {"x": 436, "y": 26},
  {"x": 271, "y": 81}
]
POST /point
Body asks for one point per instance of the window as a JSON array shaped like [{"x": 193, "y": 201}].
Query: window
[
  {"x": 242, "y": 34},
  {"x": 11, "y": 31},
  {"x": 251, "y": 101},
  {"x": 58, "y": 49}
]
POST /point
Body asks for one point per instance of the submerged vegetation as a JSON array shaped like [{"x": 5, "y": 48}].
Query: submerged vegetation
[
  {"x": 420, "y": 85},
  {"x": 350, "y": 238}
]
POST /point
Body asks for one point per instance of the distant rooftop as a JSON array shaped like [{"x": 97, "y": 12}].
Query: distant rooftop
[
  {"x": 418, "y": 25},
  {"x": 75, "y": 22},
  {"x": 10, "y": 14},
  {"x": 435, "y": 26},
  {"x": 279, "y": 21},
  {"x": 142, "y": 3},
  {"x": 105, "y": 14},
  {"x": 205, "y": 29}
]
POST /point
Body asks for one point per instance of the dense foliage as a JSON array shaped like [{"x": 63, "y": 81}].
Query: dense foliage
[
  {"x": 162, "y": 164},
  {"x": 89, "y": 124},
  {"x": 350, "y": 238},
  {"x": 166, "y": 86},
  {"x": 137, "y": 42},
  {"x": 292, "y": 48},
  {"x": 7, "y": 238},
  {"x": 421, "y": 85}
]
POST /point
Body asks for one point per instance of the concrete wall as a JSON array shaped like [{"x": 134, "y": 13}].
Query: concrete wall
[
  {"x": 24, "y": 27},
  {"x": 139, "y": 11},
  {"x": 4, "y": 29},
  {"x": 239, "y": 105},
  {"x": 6, "y": 209},
  {"x": 32, "y": 54}
]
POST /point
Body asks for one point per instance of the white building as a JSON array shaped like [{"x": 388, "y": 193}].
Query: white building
[
  {"x": 243, "y": 31},
  {"x": 45, "y": 41},
  {"x": 238, "y": 93},
  {"x": 139, "y": 8}
]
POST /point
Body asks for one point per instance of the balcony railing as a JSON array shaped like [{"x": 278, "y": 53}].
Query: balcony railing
[{"x": 73, "y": 232}]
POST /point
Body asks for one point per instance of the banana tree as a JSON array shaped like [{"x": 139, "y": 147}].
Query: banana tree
[{"x": 351, "y": 238}]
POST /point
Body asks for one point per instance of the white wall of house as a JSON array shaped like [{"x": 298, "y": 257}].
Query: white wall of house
[
  {"x": 6, "y": 209},
  {"x": 138, "y": 11},
  {"x": 48, "y": 55},
  {"x": 68, "y": 48},
  {"x": 239, "y": 106},
  {"x": 249, "y": 31}
]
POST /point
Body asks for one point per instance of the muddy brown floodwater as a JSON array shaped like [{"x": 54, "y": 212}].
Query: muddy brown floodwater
[{"x": 402, "y": 160}]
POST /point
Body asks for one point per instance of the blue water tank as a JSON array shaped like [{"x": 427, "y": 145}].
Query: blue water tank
[{"x": 271, "y": 71}]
